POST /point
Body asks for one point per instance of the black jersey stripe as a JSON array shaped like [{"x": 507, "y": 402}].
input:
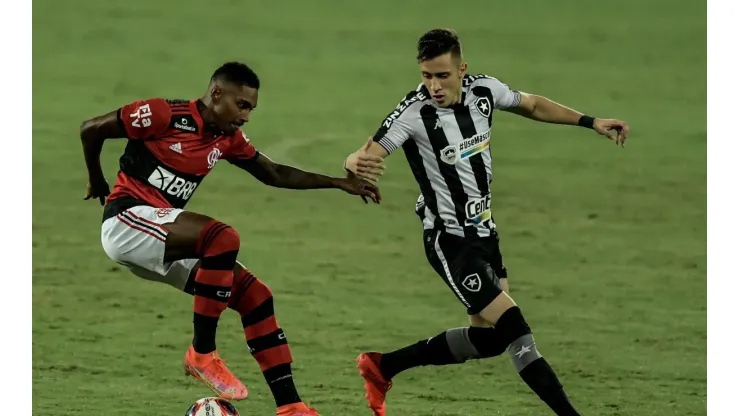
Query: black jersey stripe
[
  {"x": 439, "y": 141},
  {"x": 467, "y": 129},
  {"x": 416, "y": 163}
]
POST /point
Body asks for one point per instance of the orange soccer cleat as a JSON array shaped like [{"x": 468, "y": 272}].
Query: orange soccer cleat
[
  {"x": 376, "y": 385},
  {"x": 296, "y": 409},
  {"x": 212, "y": 371}
]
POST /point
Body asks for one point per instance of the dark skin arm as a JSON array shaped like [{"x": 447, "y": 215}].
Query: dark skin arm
[
  {"x": 93, "y": 133},
  {"x": 288, "y": 177}
]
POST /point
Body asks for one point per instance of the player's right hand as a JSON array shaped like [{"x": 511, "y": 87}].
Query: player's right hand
[
  {"x": 613, "y": 129},
  {"x": 97, "y": 188},
  {"x": 365, "y": 165},
  {"x": 361, "y": 187}
]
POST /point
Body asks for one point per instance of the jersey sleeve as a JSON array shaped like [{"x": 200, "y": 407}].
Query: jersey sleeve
[
  {"x": 145, "y": 119},
  {"x": 503, "y": 96},
  {"x": 241, "y": 148},
  {"x": 397, "y": 126}
]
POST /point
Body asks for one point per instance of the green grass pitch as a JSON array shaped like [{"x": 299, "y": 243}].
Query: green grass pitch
[{"x": 605, "y": 246}]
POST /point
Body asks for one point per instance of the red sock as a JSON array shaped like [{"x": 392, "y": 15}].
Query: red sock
[
  {"x": 217, "y": 247},
  {"x": 266, "y": 340}
]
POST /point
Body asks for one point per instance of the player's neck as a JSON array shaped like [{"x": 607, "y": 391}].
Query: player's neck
[{"x": 207, "y": 115}]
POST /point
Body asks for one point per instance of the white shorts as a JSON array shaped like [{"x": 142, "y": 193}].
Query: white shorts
[{"x": 135, "y": 239}]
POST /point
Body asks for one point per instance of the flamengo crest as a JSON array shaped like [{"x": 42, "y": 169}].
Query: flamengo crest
[{"x": 213, "y": 157}]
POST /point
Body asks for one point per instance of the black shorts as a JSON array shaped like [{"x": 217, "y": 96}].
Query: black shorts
[{"x": 470, "y": 267}]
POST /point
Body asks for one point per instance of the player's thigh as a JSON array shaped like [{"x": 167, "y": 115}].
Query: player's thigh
[
  {"x": 477, "y": 321},
  {"x": 136, "y": 238},
  {"x": 496, "y": 308},
  {"x": 464, "y": 268},
  {"x": 184, "y": 234},
  {"x": 504, "y": 285},
  {"x": 501, "y": 303}
]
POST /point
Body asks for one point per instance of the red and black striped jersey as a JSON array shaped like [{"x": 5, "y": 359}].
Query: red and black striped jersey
[{"x": 169, "y": 152}]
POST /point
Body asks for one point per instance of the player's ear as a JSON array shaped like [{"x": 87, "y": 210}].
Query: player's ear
[
  {"x": 463, "y": 68},
  {"x": 216, "y": 92}
]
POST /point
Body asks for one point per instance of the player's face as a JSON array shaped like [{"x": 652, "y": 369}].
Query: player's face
[
  {"x": 443, "y": 78},
  {"x": 232, "y": 106}
]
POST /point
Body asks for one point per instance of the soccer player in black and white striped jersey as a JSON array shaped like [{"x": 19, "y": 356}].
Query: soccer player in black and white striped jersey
[{"x": 444, "y": 129}]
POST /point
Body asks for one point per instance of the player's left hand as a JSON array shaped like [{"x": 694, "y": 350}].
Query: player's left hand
[
  {"x": 98, "y": 189},
  {"x": 357, "y": 186},
  {"x": 615, "y": 130}
]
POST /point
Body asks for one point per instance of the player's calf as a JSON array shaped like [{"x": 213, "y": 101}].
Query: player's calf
[
  {"x": 512, "y": 330},
  {"x": 217, "y": 248},
  {"x": 266, "y": 340}
]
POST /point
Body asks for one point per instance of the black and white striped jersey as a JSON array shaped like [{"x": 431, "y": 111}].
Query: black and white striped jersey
[{"x": 448, "y": 152}]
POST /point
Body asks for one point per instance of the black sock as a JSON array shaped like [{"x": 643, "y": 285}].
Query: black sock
[
  {"x": 434, "y": 351},
  {"x": 280, "y": 381},
  {"x": 542, "y": 380},
  {"x": 204, "y": 340},
  {"x": 532, "y": 367}
]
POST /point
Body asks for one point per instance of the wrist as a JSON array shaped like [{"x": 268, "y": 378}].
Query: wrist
[
  {"x": 586, "y": 121},
  {"x": 95, "y": 174},
  {"x": 335, "y": 182}
]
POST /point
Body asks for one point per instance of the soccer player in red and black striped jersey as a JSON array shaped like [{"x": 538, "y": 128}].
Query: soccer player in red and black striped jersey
[{"x": 172, "y": 145}]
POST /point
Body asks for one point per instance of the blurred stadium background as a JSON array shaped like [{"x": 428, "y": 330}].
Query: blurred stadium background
[{"x": 605, "y": 246}]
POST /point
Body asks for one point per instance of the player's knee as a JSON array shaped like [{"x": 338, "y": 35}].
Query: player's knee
[
  {"x": 487, "y": 341},
  {"x": 260, "y": 291},
  {"x": 517, "y": 335},
  {"x": 253, "y": 298},
  {"x": 521, "y": 344},
  {"x": 512, "y": 325},
  {"x": 219, "y": 240},
  {"x": 227, "y": 236}
]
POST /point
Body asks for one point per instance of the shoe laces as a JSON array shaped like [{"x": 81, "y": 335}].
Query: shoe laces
[{"x": 221, "y": 371}]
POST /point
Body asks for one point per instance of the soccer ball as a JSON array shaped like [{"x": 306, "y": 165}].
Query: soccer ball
[{"x": 212, "y": 406}]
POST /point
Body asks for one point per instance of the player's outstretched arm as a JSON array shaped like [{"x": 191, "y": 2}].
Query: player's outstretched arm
[
  {"x": 288, "y": 177},
  {"x": 543, "y": 109},
  {"x": 93, "y": 133},
  {"x": 367, "y": 161}
]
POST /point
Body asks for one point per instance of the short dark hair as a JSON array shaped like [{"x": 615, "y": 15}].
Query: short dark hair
[
  {"x": 237, "y": 73},
  {"x": 438, "y": 42}
]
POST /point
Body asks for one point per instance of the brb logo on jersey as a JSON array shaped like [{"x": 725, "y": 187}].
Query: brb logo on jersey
[
  {"x": 172, "y": 184},
  {"x": 466, "y": 148},
  {"x": 478, "y": 210},
  {"x": 213, "y": 157},
  {"x": 142, "y": 116}
]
